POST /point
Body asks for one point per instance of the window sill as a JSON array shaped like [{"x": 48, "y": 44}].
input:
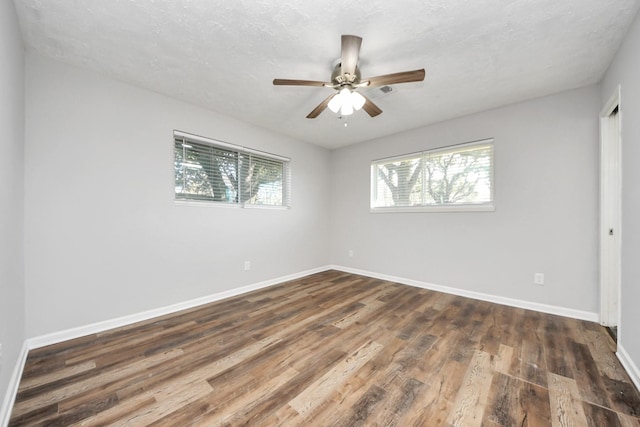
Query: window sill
[
  {"x": 194, "y": 203},
  {"x": 203, "y": 204},
  {"x": 418, "y": 209},
  {"x": 268, "y": 207}
]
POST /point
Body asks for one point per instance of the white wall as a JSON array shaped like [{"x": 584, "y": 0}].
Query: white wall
[
  {"x": 12, "y": 309},
  {"x": 103, "y": 236},
  {"x": 546, "y": 197},
  {"x": 624, "y": 71}
]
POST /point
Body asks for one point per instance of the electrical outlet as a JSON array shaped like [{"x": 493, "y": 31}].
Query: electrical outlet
[
  {"x": 247, "y": 265},
  {"x": 538, "y": 278},
  {"x": 350, "y": 253}
]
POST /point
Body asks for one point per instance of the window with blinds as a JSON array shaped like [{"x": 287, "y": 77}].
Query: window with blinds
[
  {"x": 207, "y": 170},
  {"x": 452, "y": 178}
]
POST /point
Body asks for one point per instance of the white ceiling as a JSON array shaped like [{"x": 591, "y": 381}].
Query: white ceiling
[{"x": 223, "y": 55}]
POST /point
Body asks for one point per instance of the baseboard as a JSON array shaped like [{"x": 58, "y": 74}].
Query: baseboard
[
  {"x": 629, "y": 366},
  {"x": 12, "y": 389},
  {"x": 543, "y": 308},
  {"x": 56, "y": 337}
]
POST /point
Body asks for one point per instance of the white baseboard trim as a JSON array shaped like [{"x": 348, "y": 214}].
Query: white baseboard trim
[
  {"x": 12, "y": 389},
  {"x": 629, "y": 366},
  {"x": 543, "y": 308},
  {"x": 56, "y": 337}
]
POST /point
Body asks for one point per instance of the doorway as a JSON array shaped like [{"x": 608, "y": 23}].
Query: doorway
[{"x": 610, "y": 208}]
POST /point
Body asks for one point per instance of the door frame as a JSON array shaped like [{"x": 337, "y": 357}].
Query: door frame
[{"x": 610, "y": 209}]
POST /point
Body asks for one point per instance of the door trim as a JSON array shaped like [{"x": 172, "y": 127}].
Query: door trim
[{"x": 610, "y": 209}]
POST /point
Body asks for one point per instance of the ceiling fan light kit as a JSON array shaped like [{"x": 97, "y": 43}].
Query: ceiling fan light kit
[
  {"x": 346, "y": 102},
  {"x": 345, "y": 80}
]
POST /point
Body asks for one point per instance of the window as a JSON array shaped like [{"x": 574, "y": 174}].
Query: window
[
  {"x": 446, "y": 179},
  {"x": 214, "y": 171}
]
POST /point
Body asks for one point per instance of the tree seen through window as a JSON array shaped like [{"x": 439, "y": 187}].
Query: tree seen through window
[
  {"x": 208, "y": 173},
  {"x": 459, "y": 175}
]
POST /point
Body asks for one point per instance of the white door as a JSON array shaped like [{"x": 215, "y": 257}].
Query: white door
[{"x": 610, "y": 208}]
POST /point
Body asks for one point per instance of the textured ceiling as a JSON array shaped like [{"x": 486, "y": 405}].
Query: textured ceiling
[{"x": 223, "y": 55}]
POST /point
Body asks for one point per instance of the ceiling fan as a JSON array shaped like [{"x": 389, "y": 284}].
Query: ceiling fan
[{"x": 345, "y": 79}]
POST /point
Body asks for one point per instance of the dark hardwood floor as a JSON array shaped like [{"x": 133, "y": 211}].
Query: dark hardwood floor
[{"x": 334, "y": 349}]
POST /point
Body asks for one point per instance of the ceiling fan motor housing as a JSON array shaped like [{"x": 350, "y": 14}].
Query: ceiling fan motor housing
[{"x": 339, "y": 79}]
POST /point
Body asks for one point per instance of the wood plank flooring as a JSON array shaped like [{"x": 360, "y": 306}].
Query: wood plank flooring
[{"x": 334, "y": 349}]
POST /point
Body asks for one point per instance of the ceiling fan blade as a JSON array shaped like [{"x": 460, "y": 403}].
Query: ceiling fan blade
[
  {"x": 290, "y": 82},
  {"x": 350, "y": 52},
  {"x": 321, "y": 107},
  {"x": 371, "y": 108},
  {"x": 403, "y": 77}
]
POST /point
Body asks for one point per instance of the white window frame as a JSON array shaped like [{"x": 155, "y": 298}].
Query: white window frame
[
  {"x": 453, "y": 207},
  {"x": 286, "y": 178}
]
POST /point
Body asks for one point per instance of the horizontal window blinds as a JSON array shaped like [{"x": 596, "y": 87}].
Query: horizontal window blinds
[
  {"x": 451, "y": 176},
  {"x": 220, "y": 172}
]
